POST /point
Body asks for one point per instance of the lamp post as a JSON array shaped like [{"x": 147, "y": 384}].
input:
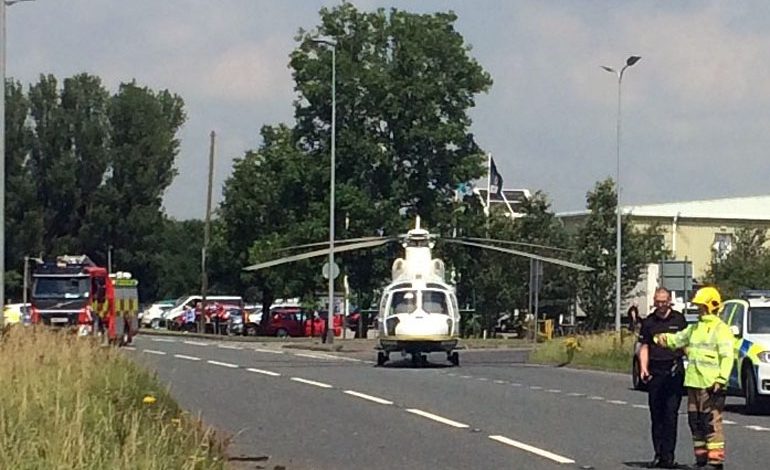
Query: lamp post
[
  {"x": 3, "y": 4},
  {"x": 618, "y": 244},
  {"x": 330, "y": 318}
]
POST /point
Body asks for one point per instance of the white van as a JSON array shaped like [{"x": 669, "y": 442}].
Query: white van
[{"x": 189, "y": 301}]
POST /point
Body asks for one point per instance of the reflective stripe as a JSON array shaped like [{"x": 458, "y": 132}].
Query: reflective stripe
[{"x": 715, "y": 446}]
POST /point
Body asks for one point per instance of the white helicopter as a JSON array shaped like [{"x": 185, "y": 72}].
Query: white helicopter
[{"x": 418, "y": 310}]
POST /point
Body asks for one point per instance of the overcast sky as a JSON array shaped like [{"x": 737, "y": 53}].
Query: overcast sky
[{"x": 696, "y": 108}]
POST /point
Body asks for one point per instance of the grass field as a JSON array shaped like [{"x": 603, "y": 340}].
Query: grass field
[
  {"x": 599, "y": 351},
  {"x": 68, "y": 403}
]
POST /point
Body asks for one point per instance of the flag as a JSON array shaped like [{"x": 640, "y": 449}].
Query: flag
[{"x": 495, "y": 179}]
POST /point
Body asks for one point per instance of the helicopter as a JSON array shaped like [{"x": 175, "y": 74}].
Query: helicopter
[{"x": 418, "y": 310}]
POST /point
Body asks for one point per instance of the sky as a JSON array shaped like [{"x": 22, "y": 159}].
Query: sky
[{"x": 696, "y": 107}]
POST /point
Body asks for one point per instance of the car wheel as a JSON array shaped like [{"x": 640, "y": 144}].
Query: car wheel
[
  {"x": 251, "y": 330},
  {"x": 282, "y": 333},
  {"x": 755, "y": 404}
]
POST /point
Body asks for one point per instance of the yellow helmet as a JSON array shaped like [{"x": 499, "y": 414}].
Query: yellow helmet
[{"x": 709, "y": 297}]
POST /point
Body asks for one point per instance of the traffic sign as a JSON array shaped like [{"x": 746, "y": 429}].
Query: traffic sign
[{"x": 335, "y": 270}]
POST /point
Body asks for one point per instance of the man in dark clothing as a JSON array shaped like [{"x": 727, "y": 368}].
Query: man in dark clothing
[{"x": 663, "y": 371}]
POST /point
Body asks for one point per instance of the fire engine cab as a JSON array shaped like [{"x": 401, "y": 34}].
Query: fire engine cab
[{"x": 73, "y": 291}]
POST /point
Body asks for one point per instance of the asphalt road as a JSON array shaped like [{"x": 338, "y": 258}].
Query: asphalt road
[{"x": 311, "y": 410}]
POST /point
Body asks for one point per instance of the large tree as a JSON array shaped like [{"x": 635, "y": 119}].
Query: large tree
[
  {"x": 404, "y": 85},
  {"x": 746, "y": 266},
  {"x": 596, "y": 247}
]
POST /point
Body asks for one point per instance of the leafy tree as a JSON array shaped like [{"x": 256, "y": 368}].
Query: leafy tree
[
  {"x": 747, "y": 266},
  {"x": 596, "y": 243}
]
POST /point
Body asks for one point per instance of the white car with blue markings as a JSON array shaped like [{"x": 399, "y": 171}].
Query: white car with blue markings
[{"x": 749, "y": 320}]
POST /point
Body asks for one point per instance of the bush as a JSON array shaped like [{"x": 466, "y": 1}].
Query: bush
[
  {"x": 599, "y": 351},
  {"x": 69, "y": 403}
]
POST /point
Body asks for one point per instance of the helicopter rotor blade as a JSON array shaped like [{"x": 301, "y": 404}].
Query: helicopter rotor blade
[
  {"x": 545, "y": 259},
  {"x": 317, "y": 253},
  {"x": 336, "y": 242},
  {"x": 510, "y": 242}
]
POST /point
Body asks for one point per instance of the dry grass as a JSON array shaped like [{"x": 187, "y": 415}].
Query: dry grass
[
  {"x": 598, "y": 351},
  {"x": 68, "y": 403}
]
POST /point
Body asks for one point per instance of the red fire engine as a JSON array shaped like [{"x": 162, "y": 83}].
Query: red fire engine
[{"x": 73, "y": 291}]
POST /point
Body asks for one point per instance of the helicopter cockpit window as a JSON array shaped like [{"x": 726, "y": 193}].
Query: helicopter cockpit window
[
  {"x": 403, "y": 302},
  {"x": 434, "y": 302}
]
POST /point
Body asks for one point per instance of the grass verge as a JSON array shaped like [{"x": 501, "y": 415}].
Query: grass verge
[
  {"x": 600, "y": 351},
  {"x": 69, "y": 403}
]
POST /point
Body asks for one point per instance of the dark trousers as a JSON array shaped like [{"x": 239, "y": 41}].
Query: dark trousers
[{"x": 664, "y": 397}]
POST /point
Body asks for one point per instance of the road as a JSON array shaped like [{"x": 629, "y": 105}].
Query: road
[{"x": 311, "y": 410}]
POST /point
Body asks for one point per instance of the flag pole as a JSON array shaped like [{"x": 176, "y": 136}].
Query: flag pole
[{"x": 489, "y": 181}]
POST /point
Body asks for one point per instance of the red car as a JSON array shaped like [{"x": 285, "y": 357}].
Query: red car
[{"x": 295, "y": 322}]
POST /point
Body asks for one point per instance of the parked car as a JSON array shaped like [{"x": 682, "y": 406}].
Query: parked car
[
  {"x": 749, "y": 321},
  {"x": 152, "y": 317},
  {"x": 184, "y": 304},
  {"x": 16, "y": 313}
]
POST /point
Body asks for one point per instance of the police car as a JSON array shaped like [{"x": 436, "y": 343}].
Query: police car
[{"x": 749, "y": 321}]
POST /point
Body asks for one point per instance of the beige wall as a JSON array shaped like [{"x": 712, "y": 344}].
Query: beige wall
[{"x": 694, "y": 237}]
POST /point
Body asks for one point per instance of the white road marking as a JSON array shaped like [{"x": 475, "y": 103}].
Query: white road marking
[
  {"x": 223, "y": 364},
  {"x": 269, "y": 351},
  {"x": 264, "y": 372},
  {"x": 152, "y": 351},
  {"x": 129, "y": 348},
  {"x": 381, "y": 401},
  {"x": 534, "y": 450},
  {"x": 195, "y": 343},
  {"x": 594, "y": 397},
  {"x": 553, "y": 390},
  {"x": 189, "y": 358},
  {"x": 617, "y": 402},
  {"x": 163, "y": 340},
  {"x": 483, "y": 379},
  {"x": 436, "y": 418},
  {"x": 452, "y": 374},
  {"x": 641, "y": 407},
  {"x": 727, "y": 421},
  {"x": 224, "y": 346},
  {"x": 311, "y": 382},
  {"x": 576, "y": 394},
  {"x": 535, "y": 387},
  {"x": 754, "y": 427},
  {"x": 499, "y": 381},
  {"x": 466, "y": 377},
  {"x": 515, "y": 384}
]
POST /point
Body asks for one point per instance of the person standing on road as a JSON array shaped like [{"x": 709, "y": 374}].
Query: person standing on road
[
  {"x": 710, "y": 358},
  {"x": 663, "y": 371}
]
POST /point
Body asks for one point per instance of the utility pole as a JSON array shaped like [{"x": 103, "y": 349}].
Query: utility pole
[
  {"x": 206, "y": 236},
  {"x": 109, "y": 259}
]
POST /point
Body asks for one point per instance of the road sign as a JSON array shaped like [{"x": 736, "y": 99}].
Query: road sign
[{"x": 335, "y": 270}]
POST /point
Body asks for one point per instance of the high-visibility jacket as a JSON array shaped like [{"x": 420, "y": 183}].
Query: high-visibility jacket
[{"x": 710, "y": 351}]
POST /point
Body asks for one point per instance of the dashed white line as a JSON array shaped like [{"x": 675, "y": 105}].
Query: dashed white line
[
  {"x": 535, "y": 387},
  {"x": 195, "y": 343},
  {"x": 189, "y": 358},
  {"x": 483, "y": 379},
  {"x": 499, "y": 381},
  {"x": 264, "y": 372},
  {"x": 532, "y": 449},
  {"x": 225, "y": 346},
  {"x": 727, "y": 421},
  {"x": 312, "y": 356},
  {"x": 754, "y": 427},
  {"x": 553, "y": 390},
  {"x": 152, "y": 351},
  {"x": 466, "y": 377},
  {"x": 595, "y": 397},
  {"x": 311, "y": 382},
  {"x": 381, "y": 401},
  {"x": 617, "y": 402},
  {"x": 641, "y": 407},
  {"x": 452, "y": 374},
  {"x": 163, "y": 340},
  {"x": 576, "y": 394},
  {"x": 269, "y": 351},
  {"x": 515, "y": 384},
  {"x": 129, "y": 348},
  {"x": 223, "y": 364},
  {"x": 436, "y": 418}
]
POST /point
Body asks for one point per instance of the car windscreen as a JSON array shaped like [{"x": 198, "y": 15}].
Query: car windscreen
[
  {"x": 759, "y": 320},
  {"x": 61, "y": 287}
]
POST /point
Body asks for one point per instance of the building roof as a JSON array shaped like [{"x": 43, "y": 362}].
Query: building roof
[{"x": 736, "y": 208}]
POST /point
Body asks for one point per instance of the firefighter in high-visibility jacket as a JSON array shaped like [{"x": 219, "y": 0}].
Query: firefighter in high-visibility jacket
[{"x": 709, "y": 347}]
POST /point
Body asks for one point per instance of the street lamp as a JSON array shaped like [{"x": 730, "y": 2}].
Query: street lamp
[
  {"x": 330, "y": 320},
  {"x": 3, "y": 4},
  {"x": 618, "y": 244}
]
